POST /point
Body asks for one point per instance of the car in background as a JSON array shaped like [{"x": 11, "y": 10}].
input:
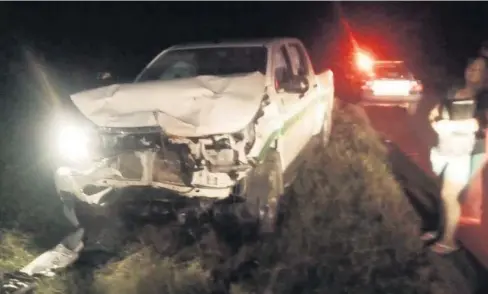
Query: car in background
[{"x": 391, "y": 84}]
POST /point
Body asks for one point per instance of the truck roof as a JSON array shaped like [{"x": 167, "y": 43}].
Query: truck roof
[{"x": 233, "y": 43}]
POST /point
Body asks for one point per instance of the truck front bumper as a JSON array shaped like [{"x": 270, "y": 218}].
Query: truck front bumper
[{"x": 105, "y": 177}]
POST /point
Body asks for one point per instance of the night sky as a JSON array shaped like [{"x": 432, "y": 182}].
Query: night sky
[{"x": 123, "y": 36}]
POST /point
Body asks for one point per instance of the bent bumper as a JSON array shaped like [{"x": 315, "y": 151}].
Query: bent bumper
[{"x": 102, "y": 175}]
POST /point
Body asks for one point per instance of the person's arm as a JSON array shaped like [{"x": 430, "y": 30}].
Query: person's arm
[
  {"x": 481, "y": 112},
  {"x": 434, "y": 114},
  {"x": 440, "y": 111}
]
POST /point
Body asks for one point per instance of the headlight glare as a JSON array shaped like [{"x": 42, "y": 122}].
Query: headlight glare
[{"x": 72, "y": 143}]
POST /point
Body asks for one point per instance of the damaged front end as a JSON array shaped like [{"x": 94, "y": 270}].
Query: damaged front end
[
  {"x": 109, "y": 158},
  {"x": 208, "y": 167}
]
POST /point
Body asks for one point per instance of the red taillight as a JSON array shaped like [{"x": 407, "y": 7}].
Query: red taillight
[{"x": 364, "y": 62}]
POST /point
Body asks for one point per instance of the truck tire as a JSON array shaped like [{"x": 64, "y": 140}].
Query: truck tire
[{"x": 263, "y": 188}]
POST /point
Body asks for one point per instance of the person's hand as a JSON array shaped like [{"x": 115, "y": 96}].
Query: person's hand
[{"x": 434, "y": 114}]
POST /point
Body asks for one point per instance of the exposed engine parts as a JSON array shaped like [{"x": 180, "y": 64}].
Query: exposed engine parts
[{"x": 149, "y": 155}]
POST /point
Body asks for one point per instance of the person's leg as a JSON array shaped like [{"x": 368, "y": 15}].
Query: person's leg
[
  {"x": 452, "y": 213},
  {"x": 456, "y": 176},
  {"x": 438, "y": 163}
]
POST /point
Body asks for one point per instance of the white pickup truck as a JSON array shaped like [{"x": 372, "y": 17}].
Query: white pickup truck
[
  {"x": 208, "y": 121},
  {"x": 205, "y": 121}
]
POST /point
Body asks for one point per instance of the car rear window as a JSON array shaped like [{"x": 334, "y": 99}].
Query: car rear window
[{"x": 392, "y": 71}]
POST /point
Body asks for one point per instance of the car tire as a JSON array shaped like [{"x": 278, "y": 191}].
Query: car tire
[{"x": 263, "y": 188}]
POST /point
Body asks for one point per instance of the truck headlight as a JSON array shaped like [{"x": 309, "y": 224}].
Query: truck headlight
[{"x": 72, "y": 143}]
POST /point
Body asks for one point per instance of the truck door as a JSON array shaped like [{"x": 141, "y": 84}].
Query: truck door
[
  {"x": 306, "y": 107},
  {"x": 292, "y": 134}
]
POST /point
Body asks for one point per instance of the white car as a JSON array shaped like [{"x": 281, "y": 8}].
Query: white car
[
  {"x": 392, "y": 84},
  {"x": 202, "y": 120}
]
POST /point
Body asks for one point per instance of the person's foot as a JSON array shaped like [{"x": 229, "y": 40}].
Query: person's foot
[
  {"x": 429, "y": 236},
  {"x": 443, "y": 249}
]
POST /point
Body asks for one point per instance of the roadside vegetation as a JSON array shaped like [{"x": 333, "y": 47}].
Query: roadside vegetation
[{"x": 348, "y": 227}]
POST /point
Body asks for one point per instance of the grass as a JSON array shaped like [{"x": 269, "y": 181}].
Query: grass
[{"x": 350, "y": 229}]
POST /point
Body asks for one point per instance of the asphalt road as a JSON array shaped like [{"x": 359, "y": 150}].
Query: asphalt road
[
  {"x": 414, "y": 136},
  {"x": 411, "y": 133}
]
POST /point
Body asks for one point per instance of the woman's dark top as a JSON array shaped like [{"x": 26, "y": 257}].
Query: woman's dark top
[
  {"x": 466, "y": 108},
  {"x": 461, "y": 109}
]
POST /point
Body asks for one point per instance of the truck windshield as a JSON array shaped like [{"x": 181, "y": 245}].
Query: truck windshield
[{"x": 217, "y": 61}]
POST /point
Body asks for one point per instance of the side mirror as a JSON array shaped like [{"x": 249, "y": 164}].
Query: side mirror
[
  {"x": 297, "y": 84},
  {"x": 104, "y": 76}
]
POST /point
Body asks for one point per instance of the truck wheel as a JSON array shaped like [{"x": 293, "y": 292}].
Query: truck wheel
[{"x": 263, "y": 188}]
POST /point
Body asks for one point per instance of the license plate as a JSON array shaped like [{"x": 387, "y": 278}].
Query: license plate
[{"x": 391, "y": 88}]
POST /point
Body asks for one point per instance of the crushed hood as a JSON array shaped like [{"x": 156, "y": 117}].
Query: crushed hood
[{"x": 199, "y": 106}]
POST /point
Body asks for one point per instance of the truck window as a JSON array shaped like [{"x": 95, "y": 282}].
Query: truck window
[
  {"x": 299, "y": 60},
  {"x": 283, "y": 69}
]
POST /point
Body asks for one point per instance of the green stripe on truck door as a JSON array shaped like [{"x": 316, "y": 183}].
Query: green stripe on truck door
[{"x": 286, "y": 126}]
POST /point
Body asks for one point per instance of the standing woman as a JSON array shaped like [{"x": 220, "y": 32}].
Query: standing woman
[{"x": 459, "y": 122}]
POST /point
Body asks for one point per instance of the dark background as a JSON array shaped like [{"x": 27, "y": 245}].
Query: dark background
[{"x": 81, "y": 38}]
